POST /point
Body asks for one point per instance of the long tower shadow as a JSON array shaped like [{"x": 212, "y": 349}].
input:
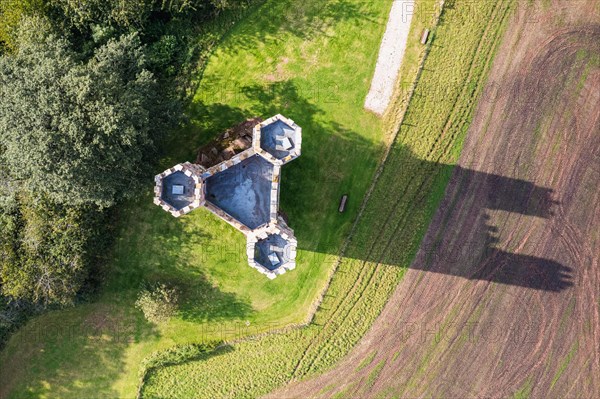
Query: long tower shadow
[
  {"x": 469, "y": 247},
  {"x": 478, "y": 258},
  {"x": 466, "y": 243}
]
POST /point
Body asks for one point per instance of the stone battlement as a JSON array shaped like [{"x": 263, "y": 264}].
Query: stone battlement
[{"x": 243, "y": 190}]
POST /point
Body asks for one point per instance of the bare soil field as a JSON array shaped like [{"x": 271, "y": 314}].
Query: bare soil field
[{"x": 503, "y": 298}]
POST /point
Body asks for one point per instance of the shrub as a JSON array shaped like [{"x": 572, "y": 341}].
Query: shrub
[{"x": 158, "y": 302}]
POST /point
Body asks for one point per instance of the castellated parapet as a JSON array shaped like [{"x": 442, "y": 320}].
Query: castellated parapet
[{"x": 243, "y": 191}]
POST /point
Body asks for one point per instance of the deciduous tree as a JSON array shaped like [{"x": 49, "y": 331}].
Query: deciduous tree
[
  {"x": 77, "y": 130},
  {"x": 42, "y": 252}
]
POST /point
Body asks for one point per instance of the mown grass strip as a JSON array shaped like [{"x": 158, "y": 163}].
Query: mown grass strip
[
  {"x": 374, "y": 374},
  {"x": 366, "y": 361},
  {"x": 564, "y": 364}
]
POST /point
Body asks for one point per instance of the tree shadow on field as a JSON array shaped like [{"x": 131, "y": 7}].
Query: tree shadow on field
[
  {"x": 313, "y": 184},
  {"x": 65, "y": 353},
  {"x": 199, "y": 301}
]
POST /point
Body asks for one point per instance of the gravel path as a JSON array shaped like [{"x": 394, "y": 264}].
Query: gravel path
[{"x": 390, "y": 57}]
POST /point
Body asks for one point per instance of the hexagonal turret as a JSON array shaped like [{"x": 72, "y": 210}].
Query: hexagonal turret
[
  {"x": 272, "y": 249},
  {"x": 179, "y": 189},
  {"x": 278, "y": 139}
]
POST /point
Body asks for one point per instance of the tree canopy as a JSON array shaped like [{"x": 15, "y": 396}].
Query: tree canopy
[
  {"x": 42, "y": 252},
  {"x": 11, "y": 13},
  {"x": 76, "y": 130},
  {"x": 131, "y": 13}
]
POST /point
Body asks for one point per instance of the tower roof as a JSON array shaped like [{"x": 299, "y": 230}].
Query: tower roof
[
  {"x": 178, "y": 189},
  {"x": 244, "y": 191},
  {"x": 272, "y": 249},
  {"x": 278, "y": 139}
]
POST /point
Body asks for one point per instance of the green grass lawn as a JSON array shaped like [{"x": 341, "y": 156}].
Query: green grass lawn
[{"x": 309, "y": 60}]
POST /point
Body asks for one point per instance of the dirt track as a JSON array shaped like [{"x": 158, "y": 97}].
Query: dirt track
[{"x": 504, "y": 295}]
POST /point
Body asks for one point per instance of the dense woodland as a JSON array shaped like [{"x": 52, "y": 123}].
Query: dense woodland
[{"x": 88, "y": 89}]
